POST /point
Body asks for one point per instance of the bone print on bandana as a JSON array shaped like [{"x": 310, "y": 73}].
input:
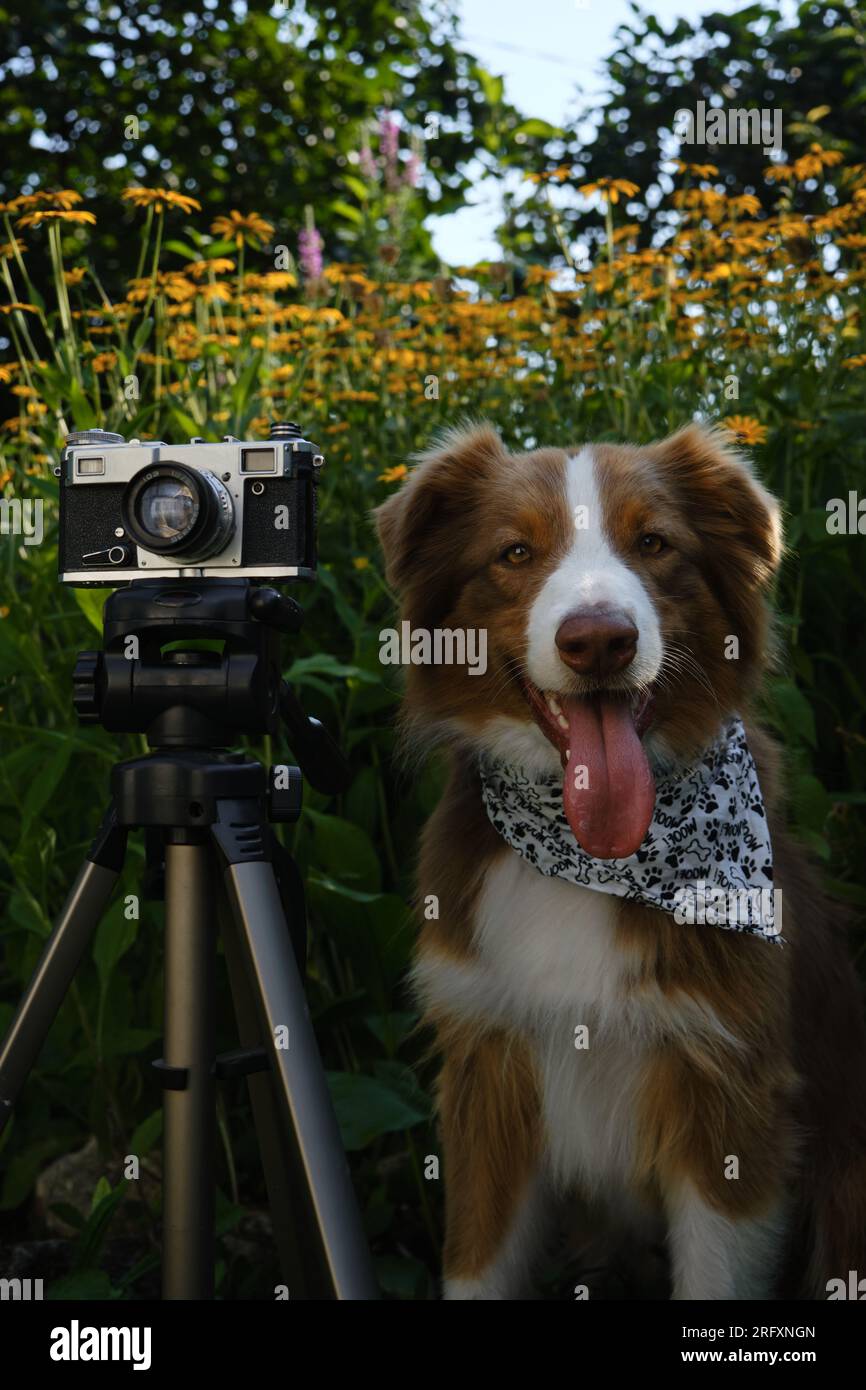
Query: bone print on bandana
[{"x": 709, "y": 830}]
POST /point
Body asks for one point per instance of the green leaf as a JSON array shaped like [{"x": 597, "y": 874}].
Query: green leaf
[
  {"x": 180, "y": 247},
  {"x": 146, "y": 1134},
  {"x": 492, "y": 87},
  {"x": 345, "y": 851},
  {"x": 346, "y": 210},
  {"x": 792, "y": 713},
  {"x": 100, "y": 1192},
  {"x": 356, "y": 186},
  {"x": 244, "y": 385},
  {"x": 185, "y": 422},
  {"x": 70, "y": 1214},
  {"x": 43, "y": 785},
  {"x": 82, "y": 411},
  {"x": 91, "y": 602},
  {"x": 368, "y": 1107},
  {"x": 114, "y": 936},
  {"x": 540, "y": 129},
  {"x": 391, "y": 1029},
  {"x": 142, "y": 333},
  {"x": 323, "y": 664}
]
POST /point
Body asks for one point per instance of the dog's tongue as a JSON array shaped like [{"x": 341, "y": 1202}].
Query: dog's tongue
[{"x": 609, "y": 792}]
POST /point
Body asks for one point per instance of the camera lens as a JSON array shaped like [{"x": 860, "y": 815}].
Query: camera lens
[
  {"x": 166, "y": 508},
  {"x": 173, "y": 510}
]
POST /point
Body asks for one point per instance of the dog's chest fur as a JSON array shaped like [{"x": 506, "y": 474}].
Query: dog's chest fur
[{"x": 548, "y": 966}]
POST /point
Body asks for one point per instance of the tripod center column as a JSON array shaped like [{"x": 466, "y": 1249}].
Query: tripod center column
[{"x": 189, "y": 1128}]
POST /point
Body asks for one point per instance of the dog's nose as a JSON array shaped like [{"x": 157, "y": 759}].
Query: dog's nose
[{"x": 599, "y": 643}]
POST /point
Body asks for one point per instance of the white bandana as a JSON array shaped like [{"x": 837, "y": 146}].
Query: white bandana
[{"x": 706, "y": 857}]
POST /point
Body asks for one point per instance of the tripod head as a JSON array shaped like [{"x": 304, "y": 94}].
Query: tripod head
[{"x": 146, "y": 680}]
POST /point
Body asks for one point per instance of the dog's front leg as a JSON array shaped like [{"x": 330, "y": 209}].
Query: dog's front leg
[
  {"x": 498, "y": 1206},
  {"x": 716, "y": 1255}
]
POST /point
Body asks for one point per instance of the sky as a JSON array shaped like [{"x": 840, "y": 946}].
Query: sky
[{"x": 545, "y": 50}]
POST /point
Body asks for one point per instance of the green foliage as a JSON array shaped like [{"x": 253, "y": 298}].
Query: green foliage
[
  {"x": 615, "y": 357},
  {"x": 261, "y": 108},
  {"x": 808, "y": 66}
]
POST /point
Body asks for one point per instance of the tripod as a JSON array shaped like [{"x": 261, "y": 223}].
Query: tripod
[{"x": 206, "y": 813}]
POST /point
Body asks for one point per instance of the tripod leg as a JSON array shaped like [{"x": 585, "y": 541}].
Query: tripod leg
[
  {"x": 276, "y": 1147},
  {"x": 189, "y": 1097},
  {"x": 83, "y": 908},
  {"x": 299, "y": 1080}
]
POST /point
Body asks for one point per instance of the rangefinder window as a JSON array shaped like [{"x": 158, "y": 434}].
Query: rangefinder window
[
  {"x": 258, "y": 461},
  {"x": 89, "y": 468}
]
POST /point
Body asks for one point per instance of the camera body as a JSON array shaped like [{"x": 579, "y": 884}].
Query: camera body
[{"x": 134, "y": 509}]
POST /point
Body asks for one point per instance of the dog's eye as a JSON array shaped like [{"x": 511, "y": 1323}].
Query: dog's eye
[
  {"x": 652, "y": 543},
  {"x": 516, "y": 554}
]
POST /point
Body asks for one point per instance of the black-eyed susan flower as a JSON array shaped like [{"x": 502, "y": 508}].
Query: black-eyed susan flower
[
  {"x": 159, "y": 199},
  {"x": 611, "y": 189},
  {"x": 242, "y": 227},
  {"x": 33, "y": 219},
  {"x": 747, "y": 429}
]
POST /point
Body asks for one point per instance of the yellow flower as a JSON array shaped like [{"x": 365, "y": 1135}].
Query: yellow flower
[
  {"x": 218, "y": 290},
  {"x": 24, "y": 308},
  {"x": 747, "y": 429},
  {"x": 170, "y": 282},
  {"x": 75, "y": 275},
  {"x": 539, "y": 275},
  {"x": 775, "y": 173},
  {"x": 811, "y": 165},
  {"x": 104, "y": 361},
  {"x": 700, "y": 171},
  {"x": 610, "y": 189},
  {"x": 236, "y": 227},
  {"x": 160, "y": 199},
  {"x": 393, "y": 475},
  {"x": 858, "y": 361},
  {"x": 63, "y": 197},
  {"x": 558, "y": 175},
  {"x": 32, "y": 219},
  {"x": 220, "y": 265},
  {"x": 271, "y": 280},
  {"x": 361, "y": 562},
  {"x": 745, "y": 203}
]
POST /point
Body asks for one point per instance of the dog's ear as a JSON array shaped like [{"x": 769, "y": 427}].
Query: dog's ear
[
  {"x": 422, "y": 527},
  {"x": 738, "y": 519}
]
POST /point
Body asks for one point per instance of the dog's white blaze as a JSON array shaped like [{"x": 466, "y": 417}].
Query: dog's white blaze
[{"x": 591, "y": 573}]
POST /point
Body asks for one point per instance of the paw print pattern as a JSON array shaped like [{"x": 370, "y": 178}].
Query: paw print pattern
[{"x": 696, "y": 834}]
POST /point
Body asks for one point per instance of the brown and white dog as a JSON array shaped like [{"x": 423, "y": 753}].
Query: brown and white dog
[{"x": 706, "y": 1043}]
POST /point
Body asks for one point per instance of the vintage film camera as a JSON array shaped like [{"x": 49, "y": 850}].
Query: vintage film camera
[{"x": 135, "y": 509}]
